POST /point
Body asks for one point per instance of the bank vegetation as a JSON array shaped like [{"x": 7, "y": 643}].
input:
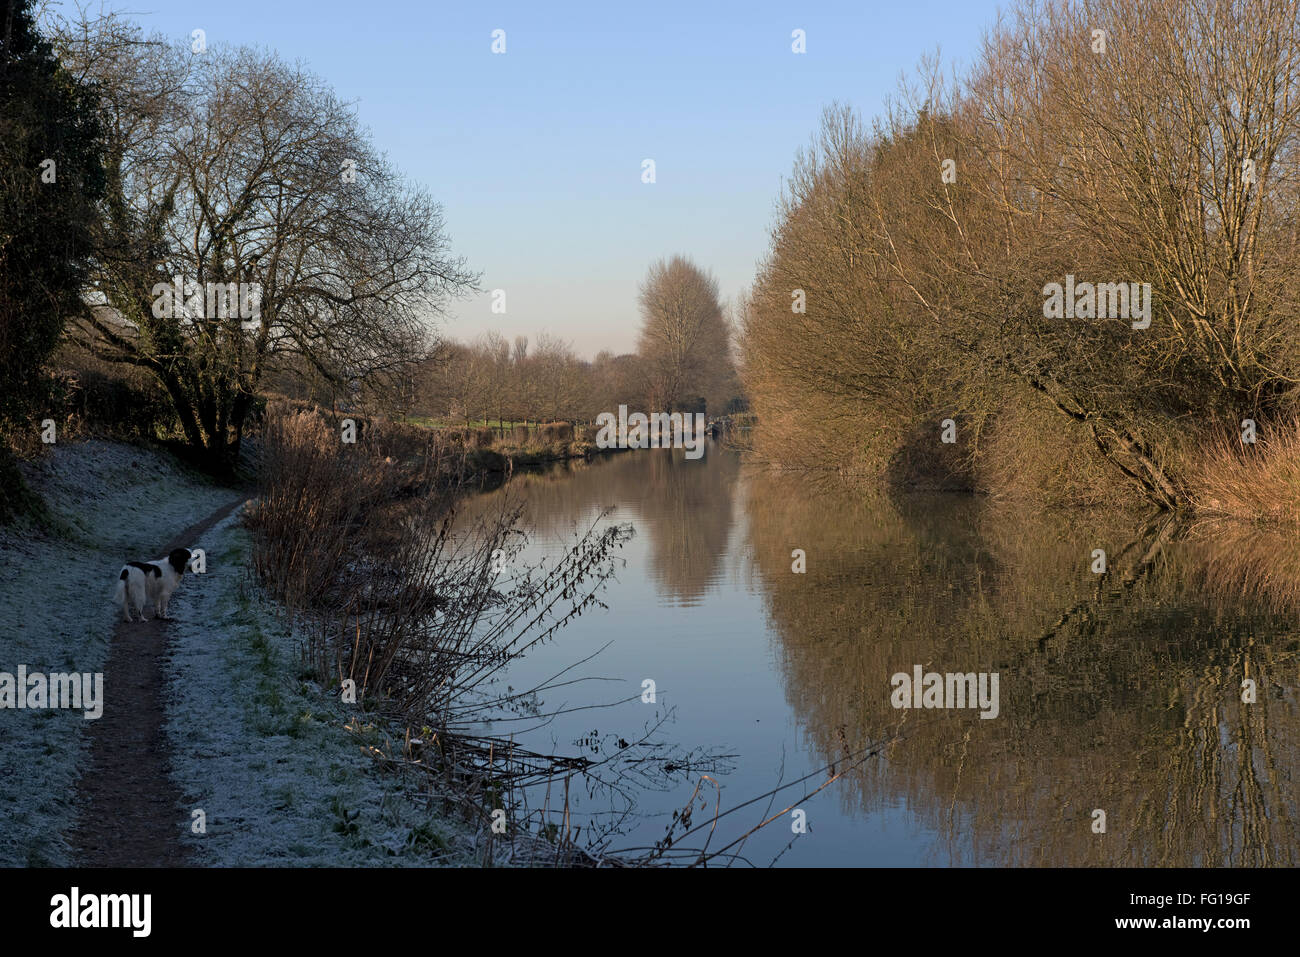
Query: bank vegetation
[{"x": 904, "y": 299}]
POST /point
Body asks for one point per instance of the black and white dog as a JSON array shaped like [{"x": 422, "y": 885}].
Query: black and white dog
[{"x": 151, "y": 583}]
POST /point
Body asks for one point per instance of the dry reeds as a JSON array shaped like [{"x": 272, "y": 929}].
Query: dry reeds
[
  {"x": 557, "y": 432},
  {"x": 1251, "y": 481},
  {"x": 356, "y": 540}
]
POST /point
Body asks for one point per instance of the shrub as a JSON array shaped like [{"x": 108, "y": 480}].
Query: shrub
[
  {"x": 553, "y": 432},
  {"x": 358, "y": 543},
  {"x": 119, "y": 402}
]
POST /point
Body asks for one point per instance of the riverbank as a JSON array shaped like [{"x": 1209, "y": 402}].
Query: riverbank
[
  {"x": 502, "y": 460},
  {"x": 107, "y": 502},
  {"x": 487, "y": 452},
  {"x": 272, "y": 767},
  {"x": 469, "y": 456},
  {"x": 414, "y": 617},
  {"x": 281, "y": 771}
]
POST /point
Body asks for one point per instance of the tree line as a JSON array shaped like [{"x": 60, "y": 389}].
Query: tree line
[
  {"x": 1093, "y": 142},
  {"x": 218, "y": 222},
  {"x": 682, "y": 363}
]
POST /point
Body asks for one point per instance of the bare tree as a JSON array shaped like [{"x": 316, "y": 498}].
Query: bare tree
[
  {"x": 556, "y": 376},
  {"x": 1116, "y": 142},
  {"x": 232, "y": 170},
  {"x": 683, "y": 340}
]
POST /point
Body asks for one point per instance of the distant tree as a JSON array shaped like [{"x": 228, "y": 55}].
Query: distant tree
[
  {"x": 555, "y": 371},
  {"x": 495, "y": 352},
  {"x": 523, "y": 386},
  {"x": 615, "y": 380},
  {"x": 466, "y": 383},
  {"x": 684, "y": 341},
  {"x": 498, "y": 382}
]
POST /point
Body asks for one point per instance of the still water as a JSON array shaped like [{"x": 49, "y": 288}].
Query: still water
[{"x": 1119, "y": 692}]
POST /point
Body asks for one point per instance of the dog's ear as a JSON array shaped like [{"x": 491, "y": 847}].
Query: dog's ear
[{"x": 178, "y": 559}]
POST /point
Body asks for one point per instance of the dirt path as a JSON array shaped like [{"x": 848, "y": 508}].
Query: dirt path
[{"x": 129, "y": 810}]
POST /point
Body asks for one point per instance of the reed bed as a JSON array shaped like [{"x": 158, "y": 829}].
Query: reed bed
[{"x": 1257, "y": 481}]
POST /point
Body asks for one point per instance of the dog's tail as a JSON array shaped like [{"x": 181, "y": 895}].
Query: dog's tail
[{"x": 119, "y": 591}]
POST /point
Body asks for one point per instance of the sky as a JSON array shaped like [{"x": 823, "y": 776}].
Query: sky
[{"x": 536, "y": 154}]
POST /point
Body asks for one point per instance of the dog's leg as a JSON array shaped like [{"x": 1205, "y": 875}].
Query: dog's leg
[
  {"x": 165, "y": 589},
  {"x": 120, "y": 597},
  {"x": 138, "y": 598}
]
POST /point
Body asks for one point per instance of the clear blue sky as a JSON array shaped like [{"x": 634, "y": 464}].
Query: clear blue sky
[{"x": 536, "y": 154}]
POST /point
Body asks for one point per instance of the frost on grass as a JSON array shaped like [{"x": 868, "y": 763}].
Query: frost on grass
[
  {"x": 110, "y": 503},
  {"x": 264, "y": 752}
]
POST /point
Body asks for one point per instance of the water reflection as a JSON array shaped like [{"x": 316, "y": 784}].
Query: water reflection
[
  {"x": 685, "y": 507},
  {"x": 1120, "y": 692}
]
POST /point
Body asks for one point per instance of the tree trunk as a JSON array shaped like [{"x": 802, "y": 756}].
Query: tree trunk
[{"x": 1116, "y": 445}]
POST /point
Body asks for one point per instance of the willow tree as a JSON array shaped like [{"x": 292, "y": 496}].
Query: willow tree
[
  {"x": 229, "y": 169},
  {"x": 1113, "y": 141},
  {"x": 1150, "y": 141}
]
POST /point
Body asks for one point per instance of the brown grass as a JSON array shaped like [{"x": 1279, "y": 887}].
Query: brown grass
[{"x": 1254, "y": 482}]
